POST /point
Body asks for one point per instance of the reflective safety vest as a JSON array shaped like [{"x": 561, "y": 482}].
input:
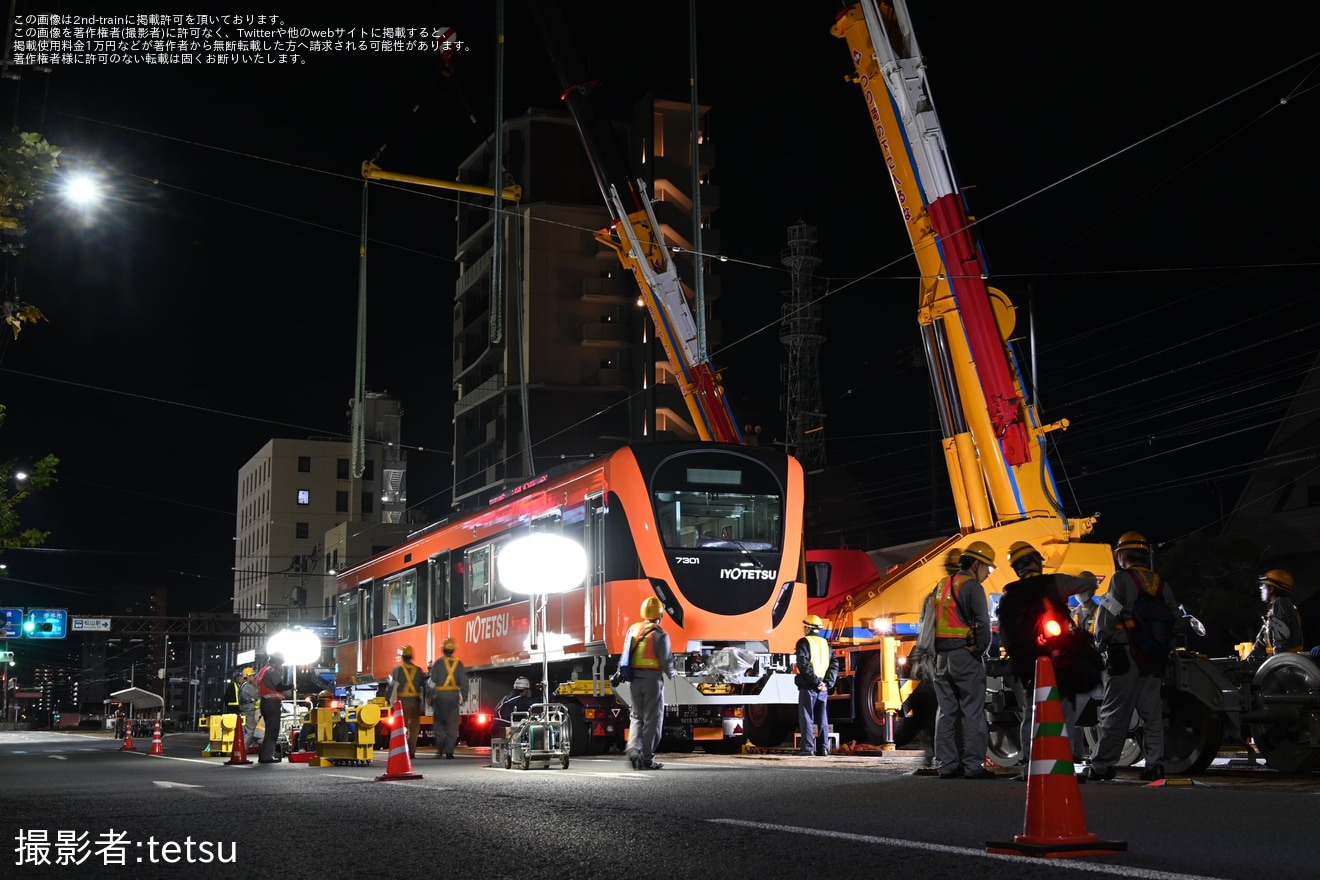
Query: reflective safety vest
[
  {"x": 948, "y": 621},
  {"x": 408, "y": 688},
  {"x": 261, "y": 685},
  {"x": 451, "y": 663},
  {"x": 820, "y": 655},
  {"x": 643, "y": 646},
  {"x": 232, "y": 701}
]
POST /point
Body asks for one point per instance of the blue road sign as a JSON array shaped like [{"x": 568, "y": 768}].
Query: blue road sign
[
  {"x": 46, "y": 623},
  {"x": 11, "y": 620}
]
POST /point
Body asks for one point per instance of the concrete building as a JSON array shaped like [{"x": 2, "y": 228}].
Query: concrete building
[
  {"x": 559, "y": 361},
  {"x": 290, "y": 494}
]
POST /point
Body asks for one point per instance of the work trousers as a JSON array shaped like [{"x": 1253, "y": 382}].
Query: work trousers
[
  {"x": 412, "y": 720},
  {"x": 1125, "y": 694},
  {"x": 648, "y": 712},
  {"x": 270, "y": 740},
  {"x": 960, "y": 691},
  {"x": 813, "y": 715},
  {"x": 445, "y": 721}
]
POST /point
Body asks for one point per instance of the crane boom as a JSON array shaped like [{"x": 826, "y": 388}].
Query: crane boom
[
  {"x": 993, "y": 439},
  {"x": 636, "y": 238}
]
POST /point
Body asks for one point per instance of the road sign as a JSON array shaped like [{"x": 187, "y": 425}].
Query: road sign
[
  {"x": 46, "y": 623},
  {"x": 11, "y": 620},
  {"x": 89, "y": 624}
]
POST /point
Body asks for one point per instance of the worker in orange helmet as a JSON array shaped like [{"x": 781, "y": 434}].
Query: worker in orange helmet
[
  {"x": 408, "y": 686},
  {"x": 1282, "y": 631},
  {"x": 962, "y": 635},
  {"x": 645, "y": 662}
]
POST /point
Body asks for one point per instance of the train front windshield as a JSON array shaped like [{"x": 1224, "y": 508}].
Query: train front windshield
[{"x": 718, "y": 502}]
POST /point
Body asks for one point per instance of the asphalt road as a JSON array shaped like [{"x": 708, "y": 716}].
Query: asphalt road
[{"x": 78, "y": 798}]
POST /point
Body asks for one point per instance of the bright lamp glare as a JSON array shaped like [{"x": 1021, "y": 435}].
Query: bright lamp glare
[
  {"x": 542, "y": 563},
  {"x": 300, "y": 647},
  {"x": 82, "y": 190}
]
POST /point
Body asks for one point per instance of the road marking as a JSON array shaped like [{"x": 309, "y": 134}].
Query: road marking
[
  {"x": 1058, "y": 864},
  {"x": 163, "y": 784},
  {"x": 59, "y": 757}
]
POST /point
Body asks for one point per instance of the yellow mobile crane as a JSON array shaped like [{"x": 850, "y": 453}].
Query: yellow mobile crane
[{"x": 993, "y": 440}]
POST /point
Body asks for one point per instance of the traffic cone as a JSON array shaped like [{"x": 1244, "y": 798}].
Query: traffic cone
[
  {"x": 400, "y": 765},
  {"x": 238, "y": 754},
  {"x": 128, "y": 740},
  {"x": 157, "y": 747},
  {"x": 1055, "y": 825}
]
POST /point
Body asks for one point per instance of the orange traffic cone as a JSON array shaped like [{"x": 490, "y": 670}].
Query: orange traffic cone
[
  {"x": 157, "y": 747},
  {"x": 128, "y": 739},
  {"x": 1055, "y": 825},
  {"x": 400, "y": 765},
  {"x": 238, "y": 754}
]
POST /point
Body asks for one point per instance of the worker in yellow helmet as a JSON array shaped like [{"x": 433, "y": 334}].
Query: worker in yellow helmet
[
  {"x": 449, "y": 688},
  {"x": 817, "y": 668},
  {"x": 408, "y": 687},
  {"x": 962, "y": 635},
  {"x": 1282, "y": 631},
  {"x": 1136, "y": 655},
  {"x": 645, "y": 661}
]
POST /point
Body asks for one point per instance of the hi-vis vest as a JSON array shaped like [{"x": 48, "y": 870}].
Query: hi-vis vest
[
  {"x": 409, "y": 686},
  {"x": 232, "y": 697},
  {"x": 261, "y": 685},
  {"x": 451, "y": 663},
  {"x": 643, "y": 646},
  {"x": 948, "y": 622},
  {"x": 820, "y": 655}
]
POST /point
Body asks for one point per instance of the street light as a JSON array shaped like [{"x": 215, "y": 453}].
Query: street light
[{"x": 539, "y": 565}]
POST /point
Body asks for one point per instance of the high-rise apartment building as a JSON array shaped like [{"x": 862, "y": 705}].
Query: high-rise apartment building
[{"x": 559, "y": 361}]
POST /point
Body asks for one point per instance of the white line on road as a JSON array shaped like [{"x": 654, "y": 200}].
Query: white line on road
[
  {"x": 1060, "y": 864},
  {"x": 164, "y": 784},
  {"x": 59, "y": 757}
]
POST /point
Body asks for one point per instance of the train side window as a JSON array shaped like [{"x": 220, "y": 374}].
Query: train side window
[
  {"x": 347, "y": 618},
  {"x": 478, "y": 577},
  {"x": 440, "y": 593},
  {"x": 818, "y": 580},
  {"x": 401, "y": 600}
]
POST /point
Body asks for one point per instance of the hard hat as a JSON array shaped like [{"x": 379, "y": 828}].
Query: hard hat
[
  {"x": 981, "y": 552},
  {"x": 1132, "y": 541},
  {"x": 406, "y": 650},
  {"x": 521, "y": 683},
  {"x": 951, "y": 560},
  {"x": 652, "y": 609},
  {"x": 326, "y": 695},
  {"x": 247, "y": 670},
  {"x": 1021, "y": 552},
  {"x": 448, "y": 644},
  {"x": 813, "y": 621},
  {"x": 1278, "y": 579}
]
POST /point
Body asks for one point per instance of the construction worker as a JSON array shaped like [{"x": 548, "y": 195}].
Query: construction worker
[
  {"x": 270, "y": 688},
  {"x": 407, "y": 685},
  {"x": 1023, "y": 607},
  {"x": 962, "y": 635},
  {"x": 517, "y": 700},
  {"x": 1282, "y": 630},
  {"x": 233, "y": 695},
  {"x": 248, "y": 695},
  {"x": 646, "y": 661},
  {"x": 449, "y": 688},
  {"x": 817, "y": 670},
  {"x": 1128, "y": 687}
]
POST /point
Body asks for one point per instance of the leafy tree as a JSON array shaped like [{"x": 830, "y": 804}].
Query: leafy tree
[
  {"x": 27, "y": 161},
  {"x": 39, "y": 476}
]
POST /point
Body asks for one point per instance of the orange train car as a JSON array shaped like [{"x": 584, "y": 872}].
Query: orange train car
[{"x": 712, "y": 530}]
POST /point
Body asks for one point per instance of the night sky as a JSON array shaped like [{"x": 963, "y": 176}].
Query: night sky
[{"x": 1145, "y": 181}]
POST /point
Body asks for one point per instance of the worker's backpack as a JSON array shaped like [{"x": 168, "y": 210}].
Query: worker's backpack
[{"x": 1151, "y": 625}]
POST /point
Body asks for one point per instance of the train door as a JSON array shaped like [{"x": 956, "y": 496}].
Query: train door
[
  {"x": 593, "y": 542},
  {"x": 439, "y": 599}
]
